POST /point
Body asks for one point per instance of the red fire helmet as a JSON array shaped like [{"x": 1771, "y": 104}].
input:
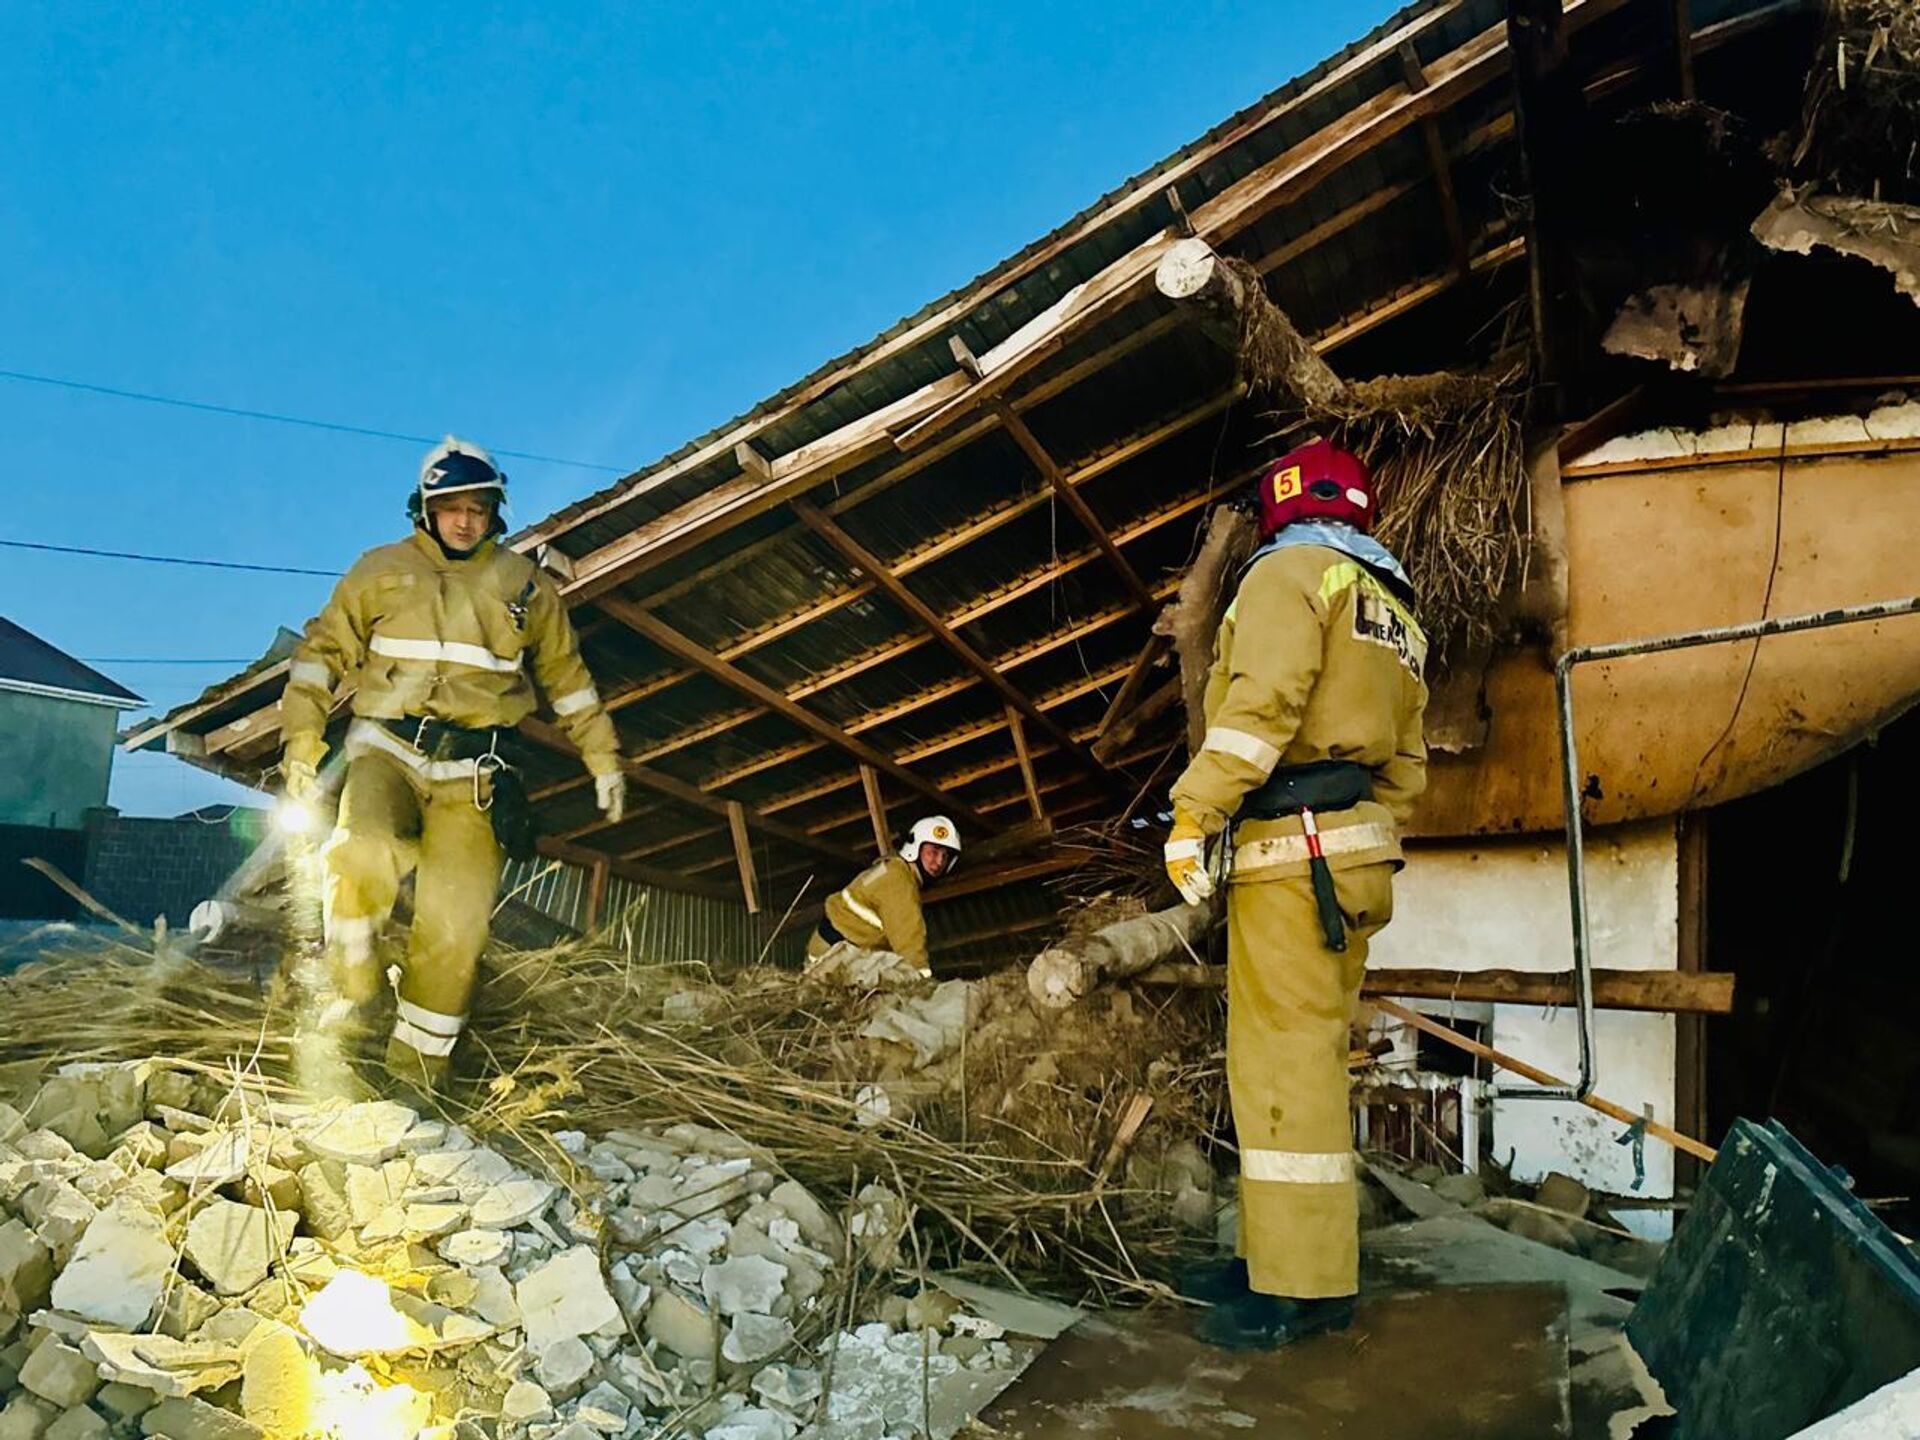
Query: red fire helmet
[{"x": 1319, "y": 481}]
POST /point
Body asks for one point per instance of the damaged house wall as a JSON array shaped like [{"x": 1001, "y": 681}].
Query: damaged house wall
[{"x": 1466, "y": 905}]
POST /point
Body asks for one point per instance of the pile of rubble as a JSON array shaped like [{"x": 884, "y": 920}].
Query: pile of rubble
[{"x": 186, "y": 1258}]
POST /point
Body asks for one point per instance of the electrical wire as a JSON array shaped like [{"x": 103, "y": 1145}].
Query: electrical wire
[
  {"x": 155, "y": 660},
  {"x": 167, "y": 559},
  {"x": 236, "y": 412}
]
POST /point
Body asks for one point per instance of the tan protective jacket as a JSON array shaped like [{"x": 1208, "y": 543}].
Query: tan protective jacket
[
  {"x": 1315, "y": 660},
  {"x": 420, "y": 634},
  {"x": 880, "y": 910}
]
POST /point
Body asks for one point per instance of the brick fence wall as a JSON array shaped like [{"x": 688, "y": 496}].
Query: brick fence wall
[{"x": 141, "y": 868}]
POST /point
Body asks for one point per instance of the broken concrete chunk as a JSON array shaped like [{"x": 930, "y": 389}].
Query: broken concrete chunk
[
  {"x": 1565, "y": 1194},
  {"x": 678, "y": 1324},
  {"x": 323, "y": 1199},
  {"x": 820, "y": 1228},
  {"x": 59, "y": 1214},
  {"x": 525, "y": 1402},
  {"x": 232, "y": 1246},
  {"x": 565, "y": 1297},
  {"x": 365, "y": 1134},
  {"x": 60, "y": 1375},
  {"x": 221, "y": 1161},
  {"x": 118, "y": 1271},
  {"x": 26, "y": 1269},
  {"x": 184, "y": 1308},
  {"x": 277, "y": 1387},
  {"x": 493, "y": 1299},
  {"x": 512, "y": 1203},
  {"x": 189, "y": 1419},
  {"x": 26, "y": 1417},
  {"x": 564, "y": 1366},
  {"x": 754, "y": 1423},
  {"x": 80, "y": 1424},
  {"x": 604, "y": 1409},
  {"x": 42, "y": 1145},
  {"x": 476, "y": 1248},
  {"x": 471, "y": 1172},
  {"x": 792, "y": 1388},
  {"x": 753, "y": 1338},
  {"x": 121, "y": 1401},
  {"x": 162, "y": 1365},
  {"x": 745, "y": 1283}
]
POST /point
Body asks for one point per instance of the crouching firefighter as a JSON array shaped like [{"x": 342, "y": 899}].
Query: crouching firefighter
[
  {"x": 880, "y": 909},
  {"x": 1312, "y": 761},
  {"x": 437, "y": 634}
]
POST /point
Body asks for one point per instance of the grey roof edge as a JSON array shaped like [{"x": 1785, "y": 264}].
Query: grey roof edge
[{"x": 32, "y": 665}]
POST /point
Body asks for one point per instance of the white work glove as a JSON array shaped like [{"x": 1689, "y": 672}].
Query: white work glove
[
  {"x": 1186, "y": 858},
  {"x": 610, "y": 794}
]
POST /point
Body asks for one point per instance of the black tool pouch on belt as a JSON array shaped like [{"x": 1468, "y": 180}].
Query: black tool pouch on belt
[
  {"x": 1319, "y": 787},
  {"x": 512, "y": 814}
]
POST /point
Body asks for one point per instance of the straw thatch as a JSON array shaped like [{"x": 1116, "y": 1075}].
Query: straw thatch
[
  {"x": 1447, "y": 456},
  {"x": 1860, "y": 123}
]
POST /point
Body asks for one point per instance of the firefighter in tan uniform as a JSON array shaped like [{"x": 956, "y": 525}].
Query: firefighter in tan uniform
[
  {"x": 880, "y": 909},
  {"x": 437, "y": 634},
  {"x": 1312, "y": 761}
]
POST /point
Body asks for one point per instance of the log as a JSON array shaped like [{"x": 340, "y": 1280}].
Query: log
[
  {"x": 1670, "y": 992},
  {"x": 1121, "y": 734},
  {"x": 1193, "y": 616},
  {"x": 1265, "y": 342},
  {"x": 1062, "y": 973}
]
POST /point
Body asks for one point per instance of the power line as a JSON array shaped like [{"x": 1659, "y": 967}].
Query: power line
[
  {"x": 151, "y": 660},
  {"x": 167, "y": 559},
  {"x": 278, "y": 419}
]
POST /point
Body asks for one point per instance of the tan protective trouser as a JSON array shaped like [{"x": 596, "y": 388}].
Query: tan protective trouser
[
  {"x": 391, "y": 820},
  {"x": 1290, "y": 1001}
]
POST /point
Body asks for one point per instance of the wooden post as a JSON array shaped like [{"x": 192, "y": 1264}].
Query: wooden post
[
  {"x": 596, "y": 894},
  {"x": 876, "y": 809},
  {"x": 1438, "y": 163},
  {"x": 1680, "y": 18},
  {"x": 1550, "y": 112},
  {"x": 743, "y": 855},
  {"x": 1025, "y": 757}
]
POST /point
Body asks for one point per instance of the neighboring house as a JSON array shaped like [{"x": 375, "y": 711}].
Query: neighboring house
[{"x": 58, "y": 720}]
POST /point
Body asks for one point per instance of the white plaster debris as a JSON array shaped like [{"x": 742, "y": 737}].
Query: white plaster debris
[
  {"x": 675, "y": 1279},
  {"x": 1895, "y": 421}
]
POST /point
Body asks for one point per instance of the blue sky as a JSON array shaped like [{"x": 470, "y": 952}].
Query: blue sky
[{"x": 591, "y": 231}]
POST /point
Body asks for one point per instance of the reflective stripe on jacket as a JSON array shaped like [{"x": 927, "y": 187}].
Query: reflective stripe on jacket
[
  {"x": 1315, "y": 660},
  {"x": 420, "y": 634},
  {"x": 880, "y": 910}
]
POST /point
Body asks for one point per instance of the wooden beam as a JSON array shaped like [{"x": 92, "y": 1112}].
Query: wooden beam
[
  {"x": 652, "y": 628},
  {"x": 558, "y": 849},
  {"x": 896, "y": 590},
  {"x": 876, "y": 809},
  {"x": 1051, "y": 472},
  {"x": 743, "y": 855},
  {"x": 1136, "y": 681},
  {"x": 1439, "y": 165},
  {"x": 1025, "y": 760},
  {"x": 1668, "y": 992},
  {"x": 1680, "y": 27},
  {"x": 554, "y": 738}
]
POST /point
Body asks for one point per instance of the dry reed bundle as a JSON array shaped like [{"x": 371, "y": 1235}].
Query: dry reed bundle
[
  {"x": 1001, "y": 1148},
  {"x": 1860, "y": 123}
]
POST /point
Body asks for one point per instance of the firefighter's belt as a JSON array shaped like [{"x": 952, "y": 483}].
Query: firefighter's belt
[
  {"x": 443, "y": 740},
  {"x": 1321, "y": 786}
]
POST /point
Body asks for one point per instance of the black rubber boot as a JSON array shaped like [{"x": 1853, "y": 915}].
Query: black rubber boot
[
  {"x": 1214, "y": 1282},
  {"x": 1266, "y": 1322}
]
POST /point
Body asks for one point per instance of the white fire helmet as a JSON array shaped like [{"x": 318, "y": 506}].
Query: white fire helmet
[
  {"x": 455, "y": 465},
  {"x": 935, "y": 828}
]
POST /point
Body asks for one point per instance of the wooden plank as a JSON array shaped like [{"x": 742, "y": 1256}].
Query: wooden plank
[
  {"x": 1025, "y": 760},
  {"x": 1680, "y": 27},
  {"x": 1685, "y": 1143},
  {"x": 876, "y": 809},
  {"x": 743, "y": 855},
  {"x": 1069, "y": 496},
  {"x": 876, "y": 569},
  {"x": 651, "y": 627},
  {"x": 1668, "y": 992},
  {"x": 1440, "y": 167}
]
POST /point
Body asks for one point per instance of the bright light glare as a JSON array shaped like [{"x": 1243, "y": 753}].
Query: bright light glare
[
  {"x": 352, "y": 1405},
  {"x": 354, "y": 1315},
  {"x": 294, "y": 817}
]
